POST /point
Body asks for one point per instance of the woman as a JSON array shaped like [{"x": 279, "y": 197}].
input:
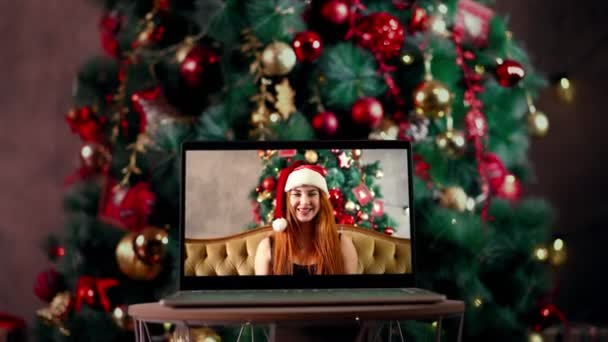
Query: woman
[{"x": 307, "y": 241}]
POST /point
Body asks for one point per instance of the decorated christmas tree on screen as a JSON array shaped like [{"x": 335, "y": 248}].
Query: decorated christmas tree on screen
[{"x": 445, "y": 75}]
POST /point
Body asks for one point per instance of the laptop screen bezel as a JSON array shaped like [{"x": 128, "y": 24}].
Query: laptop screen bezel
[{"x": 188, "y": 283}]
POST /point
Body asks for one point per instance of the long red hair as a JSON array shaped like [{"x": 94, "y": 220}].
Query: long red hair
[{"x": 326, "y": 243}]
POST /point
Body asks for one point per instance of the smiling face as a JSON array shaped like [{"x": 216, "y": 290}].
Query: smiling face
[{"x": 305, "y": 200}]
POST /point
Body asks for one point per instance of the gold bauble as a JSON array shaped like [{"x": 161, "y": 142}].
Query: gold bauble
[
  {"x": 454, "y": 198},
  {"x": 264, "y": 195},
  {"x": 204, "y": 334},
  {"x": 350, "y": 206},
  {"x": 311, "y": 156},
  {"x": 151, "y": 245},
  {"x": 387, "y": 130},
  {"x": 131, "y": 265},
  {"x": 538, "y": 124},
  {"x": 278, "y": 59},
  {"x": 452, "y": 143},
  {"x": 432, "y": 99}
]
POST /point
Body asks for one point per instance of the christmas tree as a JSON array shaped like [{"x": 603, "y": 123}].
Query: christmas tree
[{"x": 446, "y": 75}]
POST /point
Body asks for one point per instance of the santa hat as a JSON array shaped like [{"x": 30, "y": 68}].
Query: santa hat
[{"x": 292, "y": 176}]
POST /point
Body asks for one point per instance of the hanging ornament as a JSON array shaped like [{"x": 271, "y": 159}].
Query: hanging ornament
[
  {"x": 277, "y": 59},
  {"x": 476, "y": 124},
  {"x": 335, "y": 11},
  {"x": 307, "y": 46},
  {"x": 538, "y": 124},
  {"x": 194, "y": 67},
  {"x": 357, "y": 153},
  {"x": 127, "y": 207},
  {"x": 495, "y": 170},
  {"x": 509, "y": 73},
  {"x": 336, "y": 198},
  {"x": 263, "y": 196},
  {"x": 419, "y": 20},
  {"x": 381, "y": 33},
  {"x": 362, "y": 194},
  {"x": 269, "y": 184},
  {"x": 453, "y": 197},
  {"x": 285, "y": 99},
  {"x": 452, "y": 143},
  {"x": 151, "y": 245},
  {"x": 130, "y": 264},
  {"x": 350, "y": 206},
  {"x": 432, "y": 99},
  {"x": 379, "y": 174},
  {"x": 95, "y": 157},
  {"x": 311, "y": 156},
  {"x": 325, "y": 123},
  {"x": 94, "y": 292},
  {"x": 564, "y": 89},
  {"x": 202, "y": 334},
  {"x": 510, "y": 188},
  {"x": 389, "y": 231},
  {"x": 386, "y": 130},
  {"x": 109, "y": 26},
  {"x": 345, "y": 218},
  {"x": 85, "y": 122},
  {"x": 344, "y": 161},
  {"x": 367, "y": 111},
  {"x": 472, "y": 22},
  {"x": 57, "y": 311},
  {"x": 48, "y": 284},
  {"x": 378, "y": 208}
]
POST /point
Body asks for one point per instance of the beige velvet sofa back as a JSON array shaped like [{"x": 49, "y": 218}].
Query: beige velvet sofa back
[{"x": 234, "y": 255}]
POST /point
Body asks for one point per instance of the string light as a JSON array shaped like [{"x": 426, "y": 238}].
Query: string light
[
  {"x": 541, "y": 253},
  {"x": 535, "y": 337},
  {"x": 558, "y": 244},
  {"x": 477, "y": 302}
]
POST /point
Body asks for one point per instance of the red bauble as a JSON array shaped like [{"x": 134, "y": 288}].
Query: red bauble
[
  {"x": 335, "y": 11},
  {"x": 336, "y": 198},
  {"x": 510, "y": 189},
  {"x": 109, "y": 25},
  {"x": 367, "y": 111},
  {"x": 495, "y": 171},
  {"x": 345, "y": 219},
  {"x": 509, "y": 73},
  {"x": 419, "y": 20},
  {"x": 381, "y": 33},
  {"x": 269, "y": 184},
  {"x": 325, "y": 123},
  {"x": 389, "y": 231},
  {"x": 84, "y": 122},
  {"x": 196, "y": 63},
  {"x": 48, "y": 284},
  {"x": 307, "y": 46}
]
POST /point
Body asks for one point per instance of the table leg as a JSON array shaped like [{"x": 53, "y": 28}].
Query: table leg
[
  {"x": 460, "y": 326},
  {"x": 137, "y": 332},
  {"x": 400, "y": 333},
  {"x": 438, "y": 330}
]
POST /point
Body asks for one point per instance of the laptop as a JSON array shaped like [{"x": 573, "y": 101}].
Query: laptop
[{"x": 233, "y": 254}]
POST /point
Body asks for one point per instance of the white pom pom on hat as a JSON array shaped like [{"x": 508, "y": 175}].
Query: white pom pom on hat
[{"x": 294, "y": 175}]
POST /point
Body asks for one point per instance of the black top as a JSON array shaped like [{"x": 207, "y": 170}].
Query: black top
[{"x": 301, "y": 269}]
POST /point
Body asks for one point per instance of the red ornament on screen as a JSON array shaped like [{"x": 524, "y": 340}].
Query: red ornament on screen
[
  {"x": 48, "y": 284},
  {"x": 389, "y": 231},
  {"x": 196, "y": 63},
  {"x": 381, "y": 33},
  {"x": 307, "y": 46},
  {"x": 367, "y": 111},
  {"x": 509, "y": 73},
  {"x": 335, "y": 11},
  {"x": 325, "y": 123},
  {"x": 336, "y": 198},
  {"x": 109, "y": 25},
  {"x": 269, "y": 184}
]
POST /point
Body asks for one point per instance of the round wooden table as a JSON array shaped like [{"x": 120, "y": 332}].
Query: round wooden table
[{"x": 156, "y": 313}]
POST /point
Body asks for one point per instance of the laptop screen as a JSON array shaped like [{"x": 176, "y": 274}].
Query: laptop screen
[{"x": 318, "y": 212}]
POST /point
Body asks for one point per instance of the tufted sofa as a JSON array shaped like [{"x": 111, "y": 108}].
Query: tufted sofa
[{"x": 234, "y": 255}]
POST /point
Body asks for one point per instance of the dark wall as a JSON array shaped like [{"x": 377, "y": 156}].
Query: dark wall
[{"x": 44, "y": 42}]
